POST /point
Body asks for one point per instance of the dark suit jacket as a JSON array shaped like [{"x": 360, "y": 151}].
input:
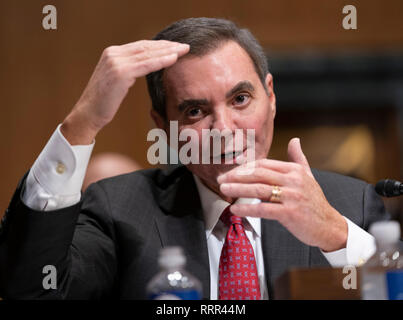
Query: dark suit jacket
[{"x": 107, "y": 245}]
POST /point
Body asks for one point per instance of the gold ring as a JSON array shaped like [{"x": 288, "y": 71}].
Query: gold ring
[{"x": 275, "y": 194}]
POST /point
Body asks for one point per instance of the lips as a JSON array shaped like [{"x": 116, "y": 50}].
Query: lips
[
  {"x": 231, "y": 155},
  {"x": 227, "y": 157}
]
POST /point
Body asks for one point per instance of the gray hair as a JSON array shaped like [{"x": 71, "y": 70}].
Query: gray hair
[{"x": 204, "y": 35}]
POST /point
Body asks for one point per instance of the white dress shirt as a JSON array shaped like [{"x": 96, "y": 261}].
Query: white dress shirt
[
  {"x": 55, "y": 181},
  {"x": 360, "y": 244},
  {"x": 56, "y": 178}
]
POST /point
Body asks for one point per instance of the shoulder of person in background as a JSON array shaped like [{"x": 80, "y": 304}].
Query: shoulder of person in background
[{"x": 108, "y": 164}]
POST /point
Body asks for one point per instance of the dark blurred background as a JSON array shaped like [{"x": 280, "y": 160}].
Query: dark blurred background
[{"x": 340, "y": 90}]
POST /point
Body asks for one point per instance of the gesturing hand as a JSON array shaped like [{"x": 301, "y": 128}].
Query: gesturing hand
[
  {"x": 116, "y": 71},
  {"x": 303, "y": 208}
]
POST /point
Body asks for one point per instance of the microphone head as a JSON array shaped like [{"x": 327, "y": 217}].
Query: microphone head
[{"x": 389, "y": 188}]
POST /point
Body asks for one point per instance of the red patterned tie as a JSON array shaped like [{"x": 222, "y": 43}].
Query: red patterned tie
[{"x": 238, "y": 279}]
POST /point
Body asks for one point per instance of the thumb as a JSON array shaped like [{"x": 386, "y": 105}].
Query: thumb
[{"x": 296, "y": 155}]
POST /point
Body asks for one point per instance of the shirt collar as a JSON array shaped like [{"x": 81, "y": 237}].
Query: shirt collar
[{"x": 213, "y": 206}]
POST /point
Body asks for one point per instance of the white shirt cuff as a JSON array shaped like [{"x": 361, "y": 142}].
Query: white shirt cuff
[
  {"x": 56, "y": 178},
  {"x": 360, "y": 247}
]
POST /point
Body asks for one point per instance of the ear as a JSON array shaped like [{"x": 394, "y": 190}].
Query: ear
[
  {"x": 270, "y": 90},
  {"x": 159, "y": 121}
]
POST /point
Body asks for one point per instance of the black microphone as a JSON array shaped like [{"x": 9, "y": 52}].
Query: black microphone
[{"x": 389, "y": 188}]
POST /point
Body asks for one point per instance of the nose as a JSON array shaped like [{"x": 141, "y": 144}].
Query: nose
[{"x": 222, "y": 119}]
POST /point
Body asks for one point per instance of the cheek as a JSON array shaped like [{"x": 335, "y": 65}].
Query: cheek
[{"x": 262, "y": 122}]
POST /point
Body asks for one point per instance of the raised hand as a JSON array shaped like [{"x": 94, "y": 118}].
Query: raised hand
[
  {"x": 303, "y": 208},
  {"x": 116, "y": 71}
]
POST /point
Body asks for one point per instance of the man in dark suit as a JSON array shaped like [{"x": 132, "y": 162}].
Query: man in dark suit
[{"x": 203, "y": 74}]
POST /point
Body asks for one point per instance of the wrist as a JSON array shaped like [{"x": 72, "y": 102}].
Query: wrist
[
  {"x": 338, "y": 235},
  {"x": 78, "y": 130}
]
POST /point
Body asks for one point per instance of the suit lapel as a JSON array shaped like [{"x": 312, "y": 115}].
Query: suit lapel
[
  {"x": 281, "y": 251},
  {"x": 182, "y": 224}
]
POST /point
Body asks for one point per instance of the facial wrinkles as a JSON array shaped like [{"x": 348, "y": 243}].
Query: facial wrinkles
[
  {"x": 190, "y": 77},
  {"x": 210, "y": 77},
  {"x": 205, "y": 84}
]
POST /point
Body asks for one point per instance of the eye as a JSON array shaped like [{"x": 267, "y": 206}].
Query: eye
[
  {"x": 194, "y": 112},
  {"x": 241, "y": 99}
]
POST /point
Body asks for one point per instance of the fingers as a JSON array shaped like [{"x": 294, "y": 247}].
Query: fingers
[
  {"x": 265, "y": 170},
  {"x": 147, "y": 45},
  {"x": 257, "y": 175},
  {"x": 152, "y": 56},
  {"x": 271, "y": 211},
  {"x": 256, "y": 190},
  {"x": 276, "y": 165},
  {"x": 258, "y": 183},
  {"x": 179, "y": 49},
  {"x": 144, "y": 67}
]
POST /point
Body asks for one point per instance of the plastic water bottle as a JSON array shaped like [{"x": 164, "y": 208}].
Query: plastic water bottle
[
  {"x": 173, "y": 282},
  {"x": 382, "y": 275}
]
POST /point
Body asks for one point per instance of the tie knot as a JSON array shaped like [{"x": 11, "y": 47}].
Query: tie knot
[{"x": 228, "y": 218}]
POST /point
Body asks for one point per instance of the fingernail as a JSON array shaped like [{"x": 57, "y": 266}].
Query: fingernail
[{"x": 220, "y": 178}]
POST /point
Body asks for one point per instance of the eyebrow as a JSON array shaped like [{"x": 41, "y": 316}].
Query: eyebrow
[{"x": 243, "y": 85}]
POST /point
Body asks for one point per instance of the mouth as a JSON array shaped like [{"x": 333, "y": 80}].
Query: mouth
[{"x": 227, "y": 157}]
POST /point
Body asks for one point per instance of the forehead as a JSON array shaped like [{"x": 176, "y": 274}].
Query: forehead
[{"x": 199, "y": 77}]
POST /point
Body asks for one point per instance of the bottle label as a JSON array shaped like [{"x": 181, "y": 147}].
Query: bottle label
[
  {"x": 177, "y": 295},
  {"x": 394, "y": 281}
]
